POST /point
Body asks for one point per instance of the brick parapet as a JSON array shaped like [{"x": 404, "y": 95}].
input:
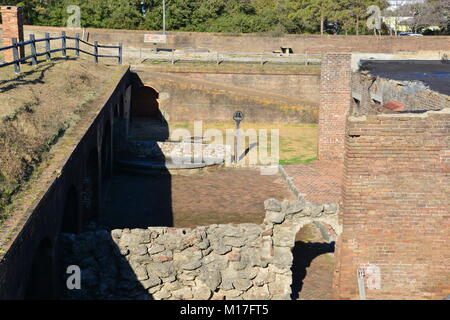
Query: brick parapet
[
  {"x": 12, "y": 28},
  {"x": 335, "y": 95},
  {"x": 396, "y": 206}
]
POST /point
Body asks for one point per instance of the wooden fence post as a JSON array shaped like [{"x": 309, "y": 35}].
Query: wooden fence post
[
  {"x": 77, "y": 44},
  {"x": 120, "y": 53},
  {"x": 63, "y": 35},
  {"x": 47, "y": 47},
  {"x": 16, "y": 55},
  {"x": 33, "y": 50},
  {"x": 96, "y": 51}
]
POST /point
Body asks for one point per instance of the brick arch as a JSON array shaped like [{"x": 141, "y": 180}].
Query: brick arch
[
  {"x": 283, "y": 220},
  {"x": 40, "y": 284},
  {"x": 144, "y": 103},
  {"x": 91, "y": 186},
  {"x": 106, "y": 151},
  {"x": 312, "y": 242},
  {"x": 71, "y": 222}
]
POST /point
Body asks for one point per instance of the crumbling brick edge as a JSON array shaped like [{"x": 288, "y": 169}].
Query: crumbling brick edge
[{"x": 290, "y": 183}]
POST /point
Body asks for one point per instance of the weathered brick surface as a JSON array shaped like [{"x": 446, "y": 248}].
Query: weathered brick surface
[
  {"x": 334, "y": 105},
  {"x": 12, "y": 28},
  {"x": 224, "y": 42},
  {"x": 320, "y": 181},
  {"x": 396, "y": 212},
  {"x": 413, "y": 96}
]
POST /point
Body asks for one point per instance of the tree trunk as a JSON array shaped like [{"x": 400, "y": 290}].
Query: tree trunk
[
  {"x": 357, "y": 26},
  {"x": 322, "y": 23}
]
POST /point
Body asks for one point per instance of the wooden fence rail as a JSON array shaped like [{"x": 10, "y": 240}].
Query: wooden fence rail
[{"x": 48, "y": 51}]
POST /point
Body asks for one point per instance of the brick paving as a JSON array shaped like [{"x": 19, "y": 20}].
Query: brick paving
[
  {"x": 320, "y": 181},
  {"x": 226, "y": 195}
]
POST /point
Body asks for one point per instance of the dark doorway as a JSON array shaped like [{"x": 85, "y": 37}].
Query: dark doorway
[
  {"x": 312, "y": 268},
  {"x": 71, "y": 220},
  {"x": 40, "y": 282},
  {"x": 121, "y": 108},
  {"x": 106, "y": 152},
  {"x": 144, "y": 104},
  {"x": 90, "y": 194}
]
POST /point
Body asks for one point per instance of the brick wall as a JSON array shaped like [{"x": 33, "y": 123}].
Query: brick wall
[
  {"x": 301, "y": 86},
  {"x": 12, "y": 28},
  {"x": 188, "y": 99},
  {"x": 396, "y": 213},
  {"x": 224, "y": 42},
  {"x": 335, "y": 82}
]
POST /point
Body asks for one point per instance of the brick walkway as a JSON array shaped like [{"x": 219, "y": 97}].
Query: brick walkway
[
  {"x": 320, "y": 181},
  {"x": 218, "y": 196}
]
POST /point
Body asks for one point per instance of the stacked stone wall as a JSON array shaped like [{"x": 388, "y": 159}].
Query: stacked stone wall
[{"x": 246, "y": 261}]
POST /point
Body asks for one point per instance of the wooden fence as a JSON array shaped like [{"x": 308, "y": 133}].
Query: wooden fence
[{"x": 48, "y": 51}]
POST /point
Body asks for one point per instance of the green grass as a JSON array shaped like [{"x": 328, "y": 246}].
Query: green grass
[
  {"x": 298, "y": 142},
  {"x": 297, "y": 160}
]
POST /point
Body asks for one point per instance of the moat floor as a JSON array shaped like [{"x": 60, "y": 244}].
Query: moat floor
[
  {"x": 313, "y": 265},
  {"x": 214, "y": 197}
]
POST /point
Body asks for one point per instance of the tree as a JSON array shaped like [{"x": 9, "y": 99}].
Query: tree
[
  {"x": 312, "y": 14},
  {"x": 424, "y": 15}
]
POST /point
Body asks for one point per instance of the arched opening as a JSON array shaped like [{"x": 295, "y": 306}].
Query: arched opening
[
  {"x": 40, "y": 282},
  {"x": 116, "y": 111},
  {"x": 144, "y": 104},
  {"x": 90, "y": 194},
  {"x": 313, "y": 265},
  {"x": 106, "y": 152},
  {"x": 71, "y": 219},
  {"x": 121, "y": 107}
]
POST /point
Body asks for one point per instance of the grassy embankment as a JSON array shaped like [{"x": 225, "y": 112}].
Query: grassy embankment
[{"x": 36, "y": 107}]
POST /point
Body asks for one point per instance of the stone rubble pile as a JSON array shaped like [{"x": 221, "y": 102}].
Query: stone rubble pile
[{"x": 245, "y": 261}]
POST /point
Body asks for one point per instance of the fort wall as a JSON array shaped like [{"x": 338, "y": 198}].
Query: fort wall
[
  {"x": 223, "y": 42},
  {"x": 182, "y": 99},
  {"x": 396, "y": 206},
  {"x": 63, "y": 191},
  {"x": 301, "y": 86}
]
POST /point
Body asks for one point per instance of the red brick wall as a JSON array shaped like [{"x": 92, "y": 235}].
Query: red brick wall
[
  {"x": 335, "y": 81},
  {"x": 257, "y": 43},
  {"x": 301, "y": 86},
  {"x": 396, "y": 212},
  {"x": 12, "y": 28}
]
